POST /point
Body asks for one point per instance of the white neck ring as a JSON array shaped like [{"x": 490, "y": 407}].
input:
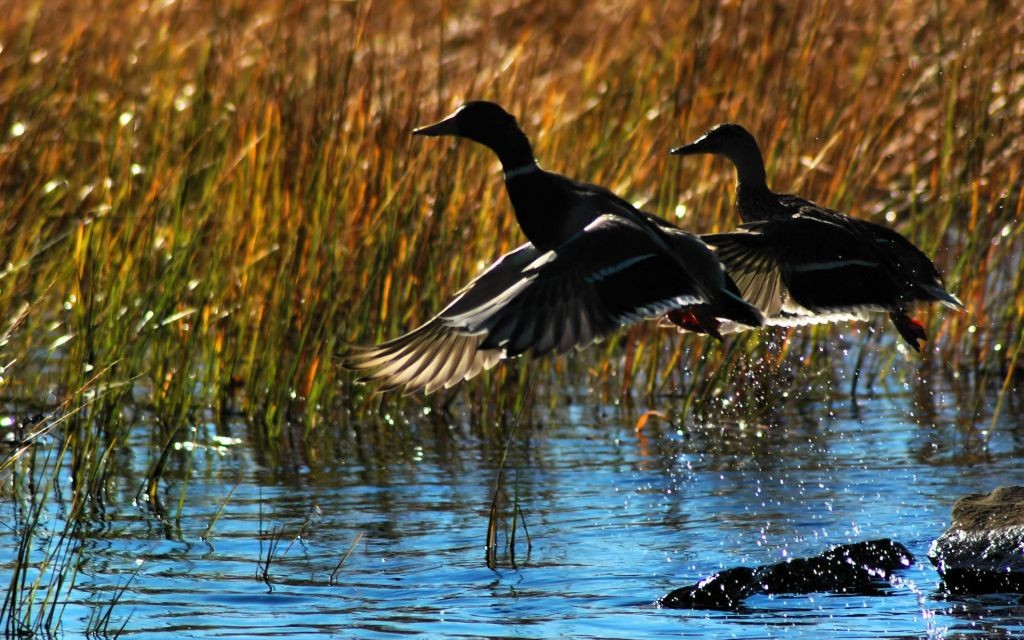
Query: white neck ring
[{"x": 523, "y": 170}]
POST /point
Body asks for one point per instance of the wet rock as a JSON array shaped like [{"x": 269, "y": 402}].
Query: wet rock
[
  {"x": 724, "y": 590},
  {"x": 860, "y": 568},
  {"x": 982, "y": 551}
]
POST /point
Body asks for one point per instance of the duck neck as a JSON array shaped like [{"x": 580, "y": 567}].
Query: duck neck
[
  {"x": 750, "y": 173},
  {"x": 514, "y": 152},
  {"x": 753, "y": 198},
  {"x": 756, "y": 202},
  {"x": 541, "y": 203}
]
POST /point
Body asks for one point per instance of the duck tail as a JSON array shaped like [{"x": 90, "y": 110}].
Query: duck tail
[
  {"x": 739, "y": 310},
  {"x": 730, "y": 305}
]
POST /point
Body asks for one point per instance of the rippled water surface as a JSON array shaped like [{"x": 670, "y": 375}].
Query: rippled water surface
[{"x": 367, "y": 549}]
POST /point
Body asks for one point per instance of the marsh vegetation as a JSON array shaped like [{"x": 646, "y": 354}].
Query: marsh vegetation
[{"x": 202, "y": 203}]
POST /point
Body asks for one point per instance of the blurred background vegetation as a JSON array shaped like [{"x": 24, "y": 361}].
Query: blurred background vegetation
[{"x": 202, "y": 203}]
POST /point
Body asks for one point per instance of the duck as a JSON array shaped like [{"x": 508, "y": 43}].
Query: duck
[
  {"x": 802, "y": 263},
  {"x": 592, "y": 263}
]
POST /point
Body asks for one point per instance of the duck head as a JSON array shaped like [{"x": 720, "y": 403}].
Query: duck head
[
  {"x": 735, "y": 143},
  {"x": 490, "y": 125}
]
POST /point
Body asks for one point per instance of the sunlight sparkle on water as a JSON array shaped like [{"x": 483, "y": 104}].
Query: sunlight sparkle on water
[
  {"x": 614, "y": 520},
  {"x": 225, "y": 441}
]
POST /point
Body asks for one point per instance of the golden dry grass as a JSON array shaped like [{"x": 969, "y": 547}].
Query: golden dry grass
[{"x": 207, "y": 201}]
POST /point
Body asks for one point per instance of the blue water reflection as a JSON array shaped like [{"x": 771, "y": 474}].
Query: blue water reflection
[{"x": 616, "y": 521}]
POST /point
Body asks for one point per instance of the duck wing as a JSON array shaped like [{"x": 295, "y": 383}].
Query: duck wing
[
  {"x": 809, "y": 268},
  {"x": 608, "y": 275},
  {"x": 697, "y": 269},
  {"x": 753, "y": 268},
  {"x": 439, "y": 353},
  {"x": 915, "y": 269}
]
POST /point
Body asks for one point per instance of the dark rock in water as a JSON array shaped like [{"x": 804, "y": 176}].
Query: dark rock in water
[
  {"x": 860, "y": 568},
  {"x": 982, "y": 551},
  {"x": 724, "y": 590}
]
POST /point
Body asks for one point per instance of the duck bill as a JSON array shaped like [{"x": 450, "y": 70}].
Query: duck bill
[
  {"x": 691, "y": 149},
  {"x": 446, "y": 127}
]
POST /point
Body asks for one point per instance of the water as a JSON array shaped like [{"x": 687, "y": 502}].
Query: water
[{"x": 616, "y": 520}]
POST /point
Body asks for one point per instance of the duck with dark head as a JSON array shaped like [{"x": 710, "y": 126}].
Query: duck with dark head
[
  {"x": 549, "y": 207},
  {"x": 802, "y": 263},
  {"x": 593, "y": 263}
]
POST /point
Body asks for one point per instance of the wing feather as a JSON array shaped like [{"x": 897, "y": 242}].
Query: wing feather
[{"x": 610, "y": 274}]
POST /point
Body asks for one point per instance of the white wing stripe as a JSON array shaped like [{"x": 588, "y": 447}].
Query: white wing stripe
[{"x": 601, "y": 274}]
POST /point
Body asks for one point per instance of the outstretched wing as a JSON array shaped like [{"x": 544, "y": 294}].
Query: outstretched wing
[
  {"x": 753, "y": 268},
  {"x": 437, "y": 354},
  {"x": 608, "y": 275},
  {"x": 807, "y": 270}
]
